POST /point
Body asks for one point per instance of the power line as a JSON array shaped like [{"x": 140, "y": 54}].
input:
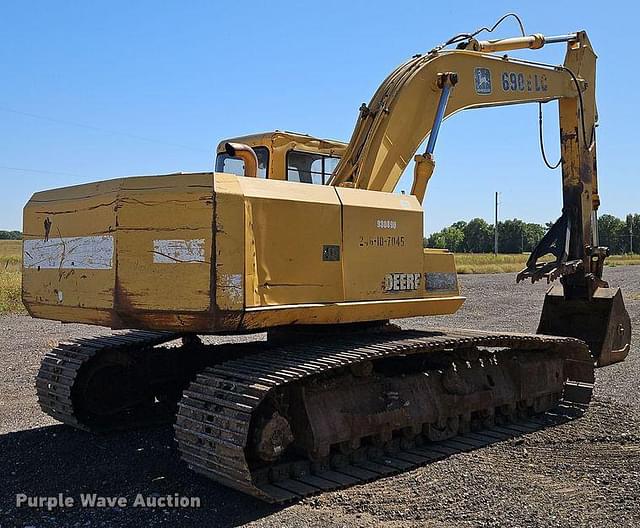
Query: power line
[
  {"x": 42, "y": 171},
  {"x": 100, "y": 129}
]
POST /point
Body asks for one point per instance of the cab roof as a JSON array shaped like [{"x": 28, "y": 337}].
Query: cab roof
[{"x": 278, "y": 139}]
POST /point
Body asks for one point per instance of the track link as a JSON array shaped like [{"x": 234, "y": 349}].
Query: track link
[
  {"x": 63, "y": 367},
  {"x": 217, "y": 412}
]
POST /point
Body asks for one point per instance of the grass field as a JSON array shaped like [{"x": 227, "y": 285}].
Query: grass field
[
  {"x": 10, "y": 260},
  {"x": 490, "y": 263},
  {"x": 11, "y": 255}
]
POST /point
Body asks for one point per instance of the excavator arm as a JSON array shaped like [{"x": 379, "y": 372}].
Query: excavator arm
[{"x": 409, "y": 107}]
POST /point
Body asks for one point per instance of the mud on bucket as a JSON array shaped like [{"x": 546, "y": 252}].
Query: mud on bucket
[{"x": 603, "y": 322}]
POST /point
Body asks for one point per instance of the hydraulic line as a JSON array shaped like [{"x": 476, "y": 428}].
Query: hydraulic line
[{"x": 544, "y": 156}]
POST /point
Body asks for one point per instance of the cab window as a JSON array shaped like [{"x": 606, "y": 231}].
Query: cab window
[
  {"x": 231, "y": 165},
  {"x": 305, "y": 167}
]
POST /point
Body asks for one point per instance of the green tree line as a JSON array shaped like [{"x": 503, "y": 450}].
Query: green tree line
[
  {"x": 517, "y": 236},
  {"x": 10, "y": 235},
  {"x": 620, "y": 235}
]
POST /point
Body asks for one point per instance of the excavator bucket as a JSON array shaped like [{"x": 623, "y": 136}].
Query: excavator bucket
[{"x": 602, "y": 322}]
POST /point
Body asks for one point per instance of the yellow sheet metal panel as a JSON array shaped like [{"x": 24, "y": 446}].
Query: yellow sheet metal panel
[
  {"x": 230, "y": 277},
  {"x": 164, "y": 243},
  {"x": 75, "y": 192},
  {"x": 69, "y": 251},
  {"x": 347, "y": 312},
  {"x": 382, "y": 245},
  {"x": 296, "y": 231},
  {"x": 73, "y": 314},
  {"x": 440, "y": 278}
]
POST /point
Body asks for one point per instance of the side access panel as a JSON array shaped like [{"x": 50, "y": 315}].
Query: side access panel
[
  {"x": 382, "y": 245},
  {"x": 292, "y": 243}
]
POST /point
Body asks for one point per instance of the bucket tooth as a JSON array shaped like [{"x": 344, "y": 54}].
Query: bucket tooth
[{"x": 602, "y": 322}]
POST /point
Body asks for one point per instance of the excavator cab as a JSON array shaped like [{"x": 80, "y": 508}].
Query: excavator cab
[{"x": 285, "y": 156}]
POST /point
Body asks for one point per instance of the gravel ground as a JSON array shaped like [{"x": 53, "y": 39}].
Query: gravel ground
[{"x": 584, "y": 473}]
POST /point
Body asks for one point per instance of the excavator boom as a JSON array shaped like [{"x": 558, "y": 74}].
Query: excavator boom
[{"x": 404, "y": 110}]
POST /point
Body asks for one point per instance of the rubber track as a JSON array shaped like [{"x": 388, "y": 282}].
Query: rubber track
[
  {"x": 60, "y": 367},
  {"x": 214, "y": 415}
]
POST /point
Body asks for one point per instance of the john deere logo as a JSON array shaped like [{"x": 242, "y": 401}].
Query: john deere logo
[
  {"x": 482, "y": 80},
  {"x": 401, "y": 282}
]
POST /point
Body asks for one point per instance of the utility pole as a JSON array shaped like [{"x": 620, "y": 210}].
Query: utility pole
[
  {"x": 495, "y": 229},
  {"x": 631, "y": 236}
]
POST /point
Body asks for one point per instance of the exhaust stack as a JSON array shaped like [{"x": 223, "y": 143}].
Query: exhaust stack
[{"x": 246, "y": 154}]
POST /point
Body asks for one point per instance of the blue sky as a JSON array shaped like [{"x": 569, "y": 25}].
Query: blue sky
[{"x": 155, "y": 86}]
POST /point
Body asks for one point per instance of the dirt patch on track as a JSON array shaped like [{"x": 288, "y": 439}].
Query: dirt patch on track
[{"x": 583, "y": 473}]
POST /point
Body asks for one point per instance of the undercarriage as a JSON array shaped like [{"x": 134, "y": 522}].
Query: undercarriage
[{"x": 286, "y": 418}]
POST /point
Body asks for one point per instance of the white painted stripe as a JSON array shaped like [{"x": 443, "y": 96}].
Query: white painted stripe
[
  {"x": 176, "y": 251},
  {"x": 90, "y": 252}
]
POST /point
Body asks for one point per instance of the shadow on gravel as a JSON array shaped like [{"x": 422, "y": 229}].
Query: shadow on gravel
[
  {"x": 47, "y": 461},
  {"x": 55, "y": 460}
]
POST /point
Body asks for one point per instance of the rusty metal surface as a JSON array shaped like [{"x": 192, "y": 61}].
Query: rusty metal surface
[
  {"x": 226, "y": 405},
  {"x": 475, "y": 386},
  {"x": 602, "y": 322}
]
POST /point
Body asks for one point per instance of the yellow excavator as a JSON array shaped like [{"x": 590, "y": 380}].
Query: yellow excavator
[{"x": 305, "y": 239}]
